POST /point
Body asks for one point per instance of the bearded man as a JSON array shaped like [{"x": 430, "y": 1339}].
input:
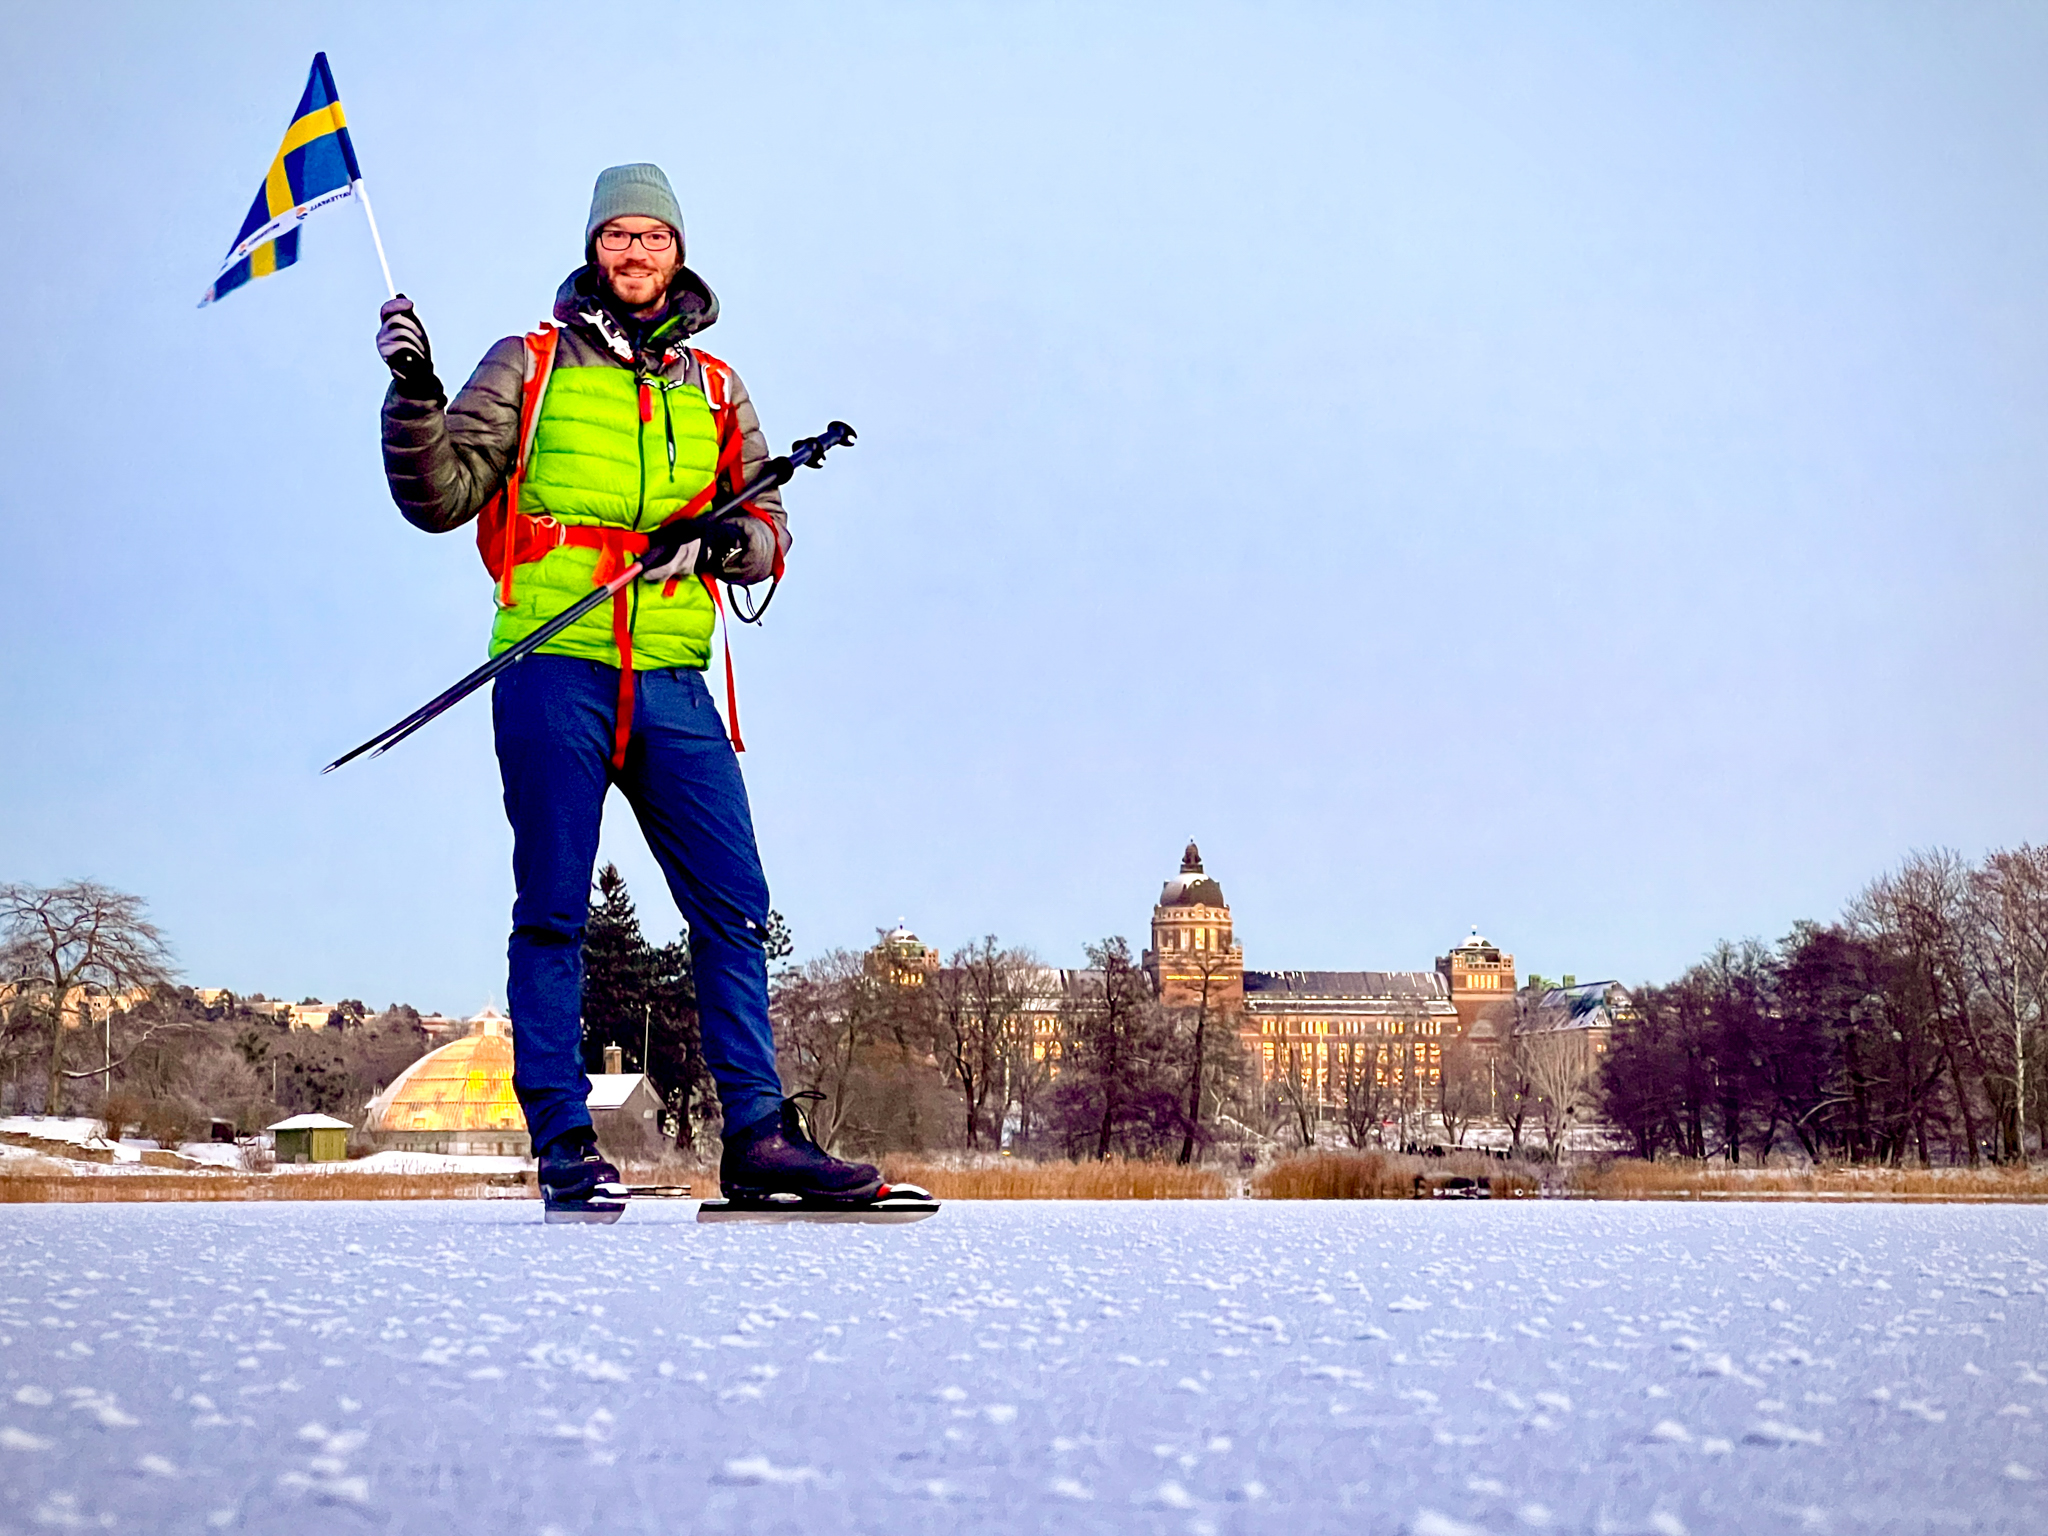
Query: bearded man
[{"x": 569, "y": 444}]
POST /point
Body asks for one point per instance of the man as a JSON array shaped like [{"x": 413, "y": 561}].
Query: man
[{"x": 572, "y": 443}]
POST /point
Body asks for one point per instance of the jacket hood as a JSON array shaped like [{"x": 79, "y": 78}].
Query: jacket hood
[{"x": 584, "y": 300}]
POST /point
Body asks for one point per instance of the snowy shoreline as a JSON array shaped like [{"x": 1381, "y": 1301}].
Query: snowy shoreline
[{"x": 1196, "y": 1367}]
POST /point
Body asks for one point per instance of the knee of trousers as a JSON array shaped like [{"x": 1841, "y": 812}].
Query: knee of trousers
[
  {"x": 730, "y": 929},
  {"x": 548, "y": 935}
]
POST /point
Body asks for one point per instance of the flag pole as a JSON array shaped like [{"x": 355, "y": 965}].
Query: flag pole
[{"x": 362, "y": 190}]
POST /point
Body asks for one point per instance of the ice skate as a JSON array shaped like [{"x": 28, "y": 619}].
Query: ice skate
[
  {"x": 776, "y": 1171},
  {"x": 577, "y": 1184}
]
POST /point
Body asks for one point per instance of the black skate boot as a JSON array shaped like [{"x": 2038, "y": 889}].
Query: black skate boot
[
  {"x": 778, "y": 1157},
  {"x": 775, "y": 1169},
  {"x": 576, "y": 1183}
]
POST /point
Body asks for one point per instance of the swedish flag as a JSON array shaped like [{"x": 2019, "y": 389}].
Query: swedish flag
[{"x": 315, "y": 166}]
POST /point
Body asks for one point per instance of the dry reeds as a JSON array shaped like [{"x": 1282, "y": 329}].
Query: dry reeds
[
  {"x": 37, "y": 1186},
  {"x": 1016, "y": 1179},
  {"x": 1632, "y": 1179},
  {"x": 1389, "y": 1176}
]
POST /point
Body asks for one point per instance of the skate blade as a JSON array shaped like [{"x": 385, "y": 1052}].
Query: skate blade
[
  {"x": 593, "y": 1213},
  {"x": 864, "y": 1215},
  {"x": 897, "y": 1205}
]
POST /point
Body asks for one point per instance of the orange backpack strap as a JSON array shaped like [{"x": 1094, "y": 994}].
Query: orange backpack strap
[
  {"x": 501, "y": 531},
  {"x": 718, "y": 395},
  {"x": 718, "y": 391}
]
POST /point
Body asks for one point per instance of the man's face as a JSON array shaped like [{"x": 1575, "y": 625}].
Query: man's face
[{"x": 638, "y": 276}]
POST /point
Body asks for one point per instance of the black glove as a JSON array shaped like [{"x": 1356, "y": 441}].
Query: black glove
[
  {"x": 677, "y": 549},
  {"x": 402, "y": 343},
  {"x": 723, "y": 549},
  {"x": 666, "y": 561}
]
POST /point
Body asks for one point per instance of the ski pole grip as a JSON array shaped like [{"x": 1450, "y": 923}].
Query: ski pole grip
[{"x": 812, "y": 450}]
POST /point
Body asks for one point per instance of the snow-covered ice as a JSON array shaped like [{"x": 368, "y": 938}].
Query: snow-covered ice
[{"x": 1208, "y": 1367}]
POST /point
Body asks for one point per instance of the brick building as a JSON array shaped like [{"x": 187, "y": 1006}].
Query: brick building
[{"x": 1318, "y": 1026}]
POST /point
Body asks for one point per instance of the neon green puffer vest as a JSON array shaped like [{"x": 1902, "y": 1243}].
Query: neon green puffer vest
[{"x": 595, "y": 462}]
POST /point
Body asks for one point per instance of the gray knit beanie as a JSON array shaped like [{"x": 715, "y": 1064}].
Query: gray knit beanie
[{"x": 628, "y": 190}]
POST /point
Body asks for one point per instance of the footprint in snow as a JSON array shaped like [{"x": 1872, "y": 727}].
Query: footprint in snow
[
  {"x": 1771, "y": 1432},
  {"x": 759, "y": 1471},
  {"x": 1409, "y": 1304}
]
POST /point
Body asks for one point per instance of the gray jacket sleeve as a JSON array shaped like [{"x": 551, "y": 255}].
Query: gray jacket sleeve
[
  {"x": 764, "y": 547},
  {"x": 444, "y": 463}
]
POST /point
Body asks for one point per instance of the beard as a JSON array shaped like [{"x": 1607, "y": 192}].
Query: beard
[{"x": 645, "y": 284}]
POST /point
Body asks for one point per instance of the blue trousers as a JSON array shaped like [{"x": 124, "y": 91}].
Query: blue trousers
[{"x": 554, "y": 717}]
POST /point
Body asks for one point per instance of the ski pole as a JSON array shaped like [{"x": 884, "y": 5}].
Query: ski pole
[{"x": 662, "y": 543}]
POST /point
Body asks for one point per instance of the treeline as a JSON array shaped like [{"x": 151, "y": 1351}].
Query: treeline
[
  {"x": 1909, "y": 1030},
  {"x": 93, "y": 1021},
  {"x": 993, "y": 1049},
  {"x": 989, "y": 1048}
]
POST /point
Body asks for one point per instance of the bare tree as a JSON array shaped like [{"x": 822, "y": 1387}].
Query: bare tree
[
  {"x": 1204, "y": 1025},
  {"x": 1030, "y": 1057},
  {"x": 1462, "y": 1089},
  {"x": 978, "y": 1004},
  {"x": 1561, "y": 1072},
  {"x": 1362, "y": 1092},
  {"x": 77, "y": 953},
  {"x": 2008, "y": 903},
  {"x": 1920, "y": 915},
  {"x": 1113, "y": 1087},
  {"x": 1294, "y": 1091},
  {"x": 825, "y": 1011},
  {"x": 1514, "y": 1083}
]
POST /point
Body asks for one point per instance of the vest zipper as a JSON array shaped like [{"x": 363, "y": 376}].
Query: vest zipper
[
  {"x": 640, "y": 511},
  {"x": 668, "y": 426}
]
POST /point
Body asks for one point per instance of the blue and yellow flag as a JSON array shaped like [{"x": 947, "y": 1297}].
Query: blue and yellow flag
[{"x": 315, "y": 166}]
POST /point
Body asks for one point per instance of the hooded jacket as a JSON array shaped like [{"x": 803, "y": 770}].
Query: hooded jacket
[{"x": 594, "y": 461}]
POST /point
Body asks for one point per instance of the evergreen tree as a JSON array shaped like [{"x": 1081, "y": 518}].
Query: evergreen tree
[
  {"x": 614, "y": 971},
  {"x": 643, "y": 999}
]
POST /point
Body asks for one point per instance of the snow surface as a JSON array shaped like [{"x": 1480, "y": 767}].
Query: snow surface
[
  {"x": 72, "y": 1128},
  {"x": 1431, "y": 1368}
]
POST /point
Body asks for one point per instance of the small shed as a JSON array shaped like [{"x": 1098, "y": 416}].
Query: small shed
[
  {"x": 626, "y": 1112},
  {"x": 311, "y": 1139}
]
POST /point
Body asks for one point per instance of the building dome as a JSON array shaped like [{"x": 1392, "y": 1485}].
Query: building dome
[
  {"x": 465, "y": 1085},
  {"x": 1192, "y": 888}
]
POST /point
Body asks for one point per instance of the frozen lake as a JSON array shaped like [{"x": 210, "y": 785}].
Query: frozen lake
[{"x": 1430, "y": 1368}]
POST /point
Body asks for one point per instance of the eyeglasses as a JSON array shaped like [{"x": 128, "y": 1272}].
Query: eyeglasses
[{"x": 652, "y": 241}]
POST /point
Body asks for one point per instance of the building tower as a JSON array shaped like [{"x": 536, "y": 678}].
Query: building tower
[
  {"x": 1482, "y": 982},
  {"x": 1192, "y": 943},
  {"x": 902, "y": 957}
]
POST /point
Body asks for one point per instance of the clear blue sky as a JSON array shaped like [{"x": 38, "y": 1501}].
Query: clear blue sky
[{"x": 1571, "y": 469}]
